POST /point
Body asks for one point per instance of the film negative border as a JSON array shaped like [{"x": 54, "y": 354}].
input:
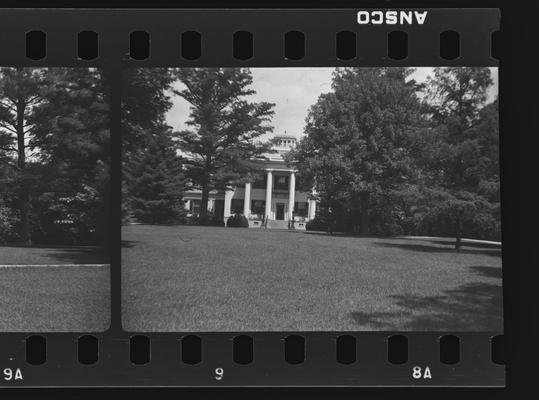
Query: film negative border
[
  {"x": 159, "y": 33},
  {"x": 113, "y": 30},
  {"x": 159, "y": 359}
]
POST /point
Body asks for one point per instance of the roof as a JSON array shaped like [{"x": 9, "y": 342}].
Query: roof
[{"x": 285, "y": 136}]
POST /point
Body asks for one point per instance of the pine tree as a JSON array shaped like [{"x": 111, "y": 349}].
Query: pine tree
[
  {"x": 144, "y": 104},
  {"x": 72, "y": 131},
  {"x": 222, "y": 146},
  {"x": 21, "y": 91},
  {"x": 155, "y": 180},
  {"x": 54, "y": 131}
]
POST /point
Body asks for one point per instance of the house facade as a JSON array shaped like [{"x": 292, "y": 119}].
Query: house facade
[{"x": 271, "y": 200}]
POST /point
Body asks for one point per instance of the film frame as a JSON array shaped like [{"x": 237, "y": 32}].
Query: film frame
[{"x": 269, "y": 367}]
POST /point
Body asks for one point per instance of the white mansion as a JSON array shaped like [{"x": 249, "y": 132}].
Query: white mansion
[{"x": 271, "y": 198}]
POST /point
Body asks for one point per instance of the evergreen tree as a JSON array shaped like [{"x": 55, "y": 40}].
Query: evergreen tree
[
  {"x": 145, "y": 102},
  {"x": 21, "y": 91},
  {"x": 359, "y": 142},
  {"x": 55, "y": 125},
  {"x": 75, "y": 152},
  {"x": 464, "y": 163},
  {"x": 155, "y": 180},
  {"x": 222, "y": 145}
]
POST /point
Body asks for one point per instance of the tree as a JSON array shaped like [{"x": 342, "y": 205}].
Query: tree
[
  {"x": 155, "y": 180},
  {"x": 8, "y": 216},
  {"x": 222, "y": 146},
  {"x": 465, "y": 162},
  {"x": 54, "y": 131},
  {"x": 21, "y": 91},
  {"x": 72, "y": 132},
  {"x": 359, "y": 141},
  {"x": 145, "y": 101}
]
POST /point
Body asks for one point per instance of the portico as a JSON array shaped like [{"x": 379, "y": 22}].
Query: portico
[{"x": 275, "y": 208}]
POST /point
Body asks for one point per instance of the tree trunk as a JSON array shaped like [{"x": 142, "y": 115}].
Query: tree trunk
[
  {"x": 24, "y": 192},
  {"x": 364, "y": 213},
  {"x": 204, "y": 203},
  {"x": 205, "y": 189},
  {"x": 458, "y": 241}
]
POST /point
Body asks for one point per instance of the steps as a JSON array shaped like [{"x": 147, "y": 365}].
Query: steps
[{"x": 277, "y": 224}]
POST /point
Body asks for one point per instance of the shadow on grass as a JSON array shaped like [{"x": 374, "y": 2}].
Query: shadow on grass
[
  {"x": 451, "y": 242},
  {"x": 61, "y": 254},
  {"x": 489, "y": 272},
  {"x": 474, "y": 306},
  {"x": 128, "y": 244},
  {"x": 449, "y": 248},
  {"x": 337, "y": 234},
  {"x": 82, "y": 255}
]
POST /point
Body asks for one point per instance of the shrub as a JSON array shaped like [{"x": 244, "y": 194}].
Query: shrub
[
  {"x": 316, "y": 224},
  {"x": 209, "y": 220},
  {"x": 8, "y": 225},
  {"x": 237, "y": 221},
  {"x": 79, "y": 218},
  {"x": 320, "y": 223}
]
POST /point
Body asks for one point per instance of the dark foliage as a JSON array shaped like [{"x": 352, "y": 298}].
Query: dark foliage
[
  {"x": 237, "y": 221},
  {"x": 152, "y": 181},
  {"x": 155, "y": 182},
  {"x": 316, "y": 224},
  {"x": 144, "y": 104},
  {"x": 383, "y": 161},
  {"x": 209, "y": 220},
  {"x": 54, "y": 127}
]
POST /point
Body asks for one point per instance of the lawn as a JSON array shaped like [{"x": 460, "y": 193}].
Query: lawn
[
  {"x": 43, "y": 298},
  {"x": 189, "y": 278},
  {"x": 52, "y": 255}
]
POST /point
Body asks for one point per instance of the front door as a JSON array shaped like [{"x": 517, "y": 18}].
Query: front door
[{"x": 279, "y": 211}]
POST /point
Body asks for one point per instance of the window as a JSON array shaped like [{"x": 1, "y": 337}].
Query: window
[
  {"x": 237, "y": 206},
  {"x": 194, "y": 206},
  {"x": 281, "y": 182},
  {"x": 258, "y": 207},
  {"x": 260, "y": 181},
  {"x": 301, "y": 209}
]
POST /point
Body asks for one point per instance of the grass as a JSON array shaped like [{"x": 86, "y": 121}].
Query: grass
[
  {"x": 189, "y": 278},
  {"x": 54, "y": 299},
  {"x": 13, "y": 254}
]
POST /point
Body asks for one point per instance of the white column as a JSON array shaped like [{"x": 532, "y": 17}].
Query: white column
[
  {"x": 247, "y": 200},
  {"x": 269, "y": 187},
  {"x": 291, "y": 195},
  {"x": 228, "y": 202},
  {"x": 312, "y": 209}
]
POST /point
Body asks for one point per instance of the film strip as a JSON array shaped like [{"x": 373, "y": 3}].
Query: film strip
[{"x": 445, "y": 336}]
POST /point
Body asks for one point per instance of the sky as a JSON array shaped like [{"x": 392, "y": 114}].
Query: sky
[{"x": 293, "y": 90}]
